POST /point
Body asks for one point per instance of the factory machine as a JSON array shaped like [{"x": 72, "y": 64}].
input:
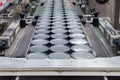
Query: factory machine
[
  {"x": 103, "y": 24},
  {"x": 112, "y": 35},
  {"x": 59, "y": 47},
  {"x": 10, "y": 33}
]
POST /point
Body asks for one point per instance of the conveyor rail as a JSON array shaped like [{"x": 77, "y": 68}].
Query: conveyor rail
[{"x": 80, "y": 67}]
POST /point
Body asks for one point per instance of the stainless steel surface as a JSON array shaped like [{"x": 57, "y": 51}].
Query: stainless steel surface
[
  {"x": 75, "y": 30},
  {"x": 73, "y": 23},
  {"x": 59, "y": 41},
  {"x": 39, "y": 42},
  {"x": 60, "y": 48},
  {"x": 77, "y": 36},
  {"x": 59, "y": 36},
  {"x": 36, "y": 56},
  {"x": 40, "y": 36},
  {"x": 67, "y": 67},
  {"x": 42, "y": 31},
  {"x": 42, "y": 26},
  {"x": 59, "y": 31},
  {"x": 42, "y": 23},
  {"x": 75, "y": 26},
  {"x": 83, "y": 55},
  {"x": 58, "y": 27},
  {"x": 59, "y": 56},
  {"x": 78, "y": 41},
  {"x": 38, "y": 48},
  {"x": 81, "y": 48}
]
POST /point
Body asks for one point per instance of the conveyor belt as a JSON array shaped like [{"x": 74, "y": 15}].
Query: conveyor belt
[
  {"x": 97, "y": 44},
  {"x": 59, "y": 13}
]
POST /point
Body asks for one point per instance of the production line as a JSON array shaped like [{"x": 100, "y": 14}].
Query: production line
[
  {"x": 56, "y": 36},
  {"x": 56, "y": 42}
]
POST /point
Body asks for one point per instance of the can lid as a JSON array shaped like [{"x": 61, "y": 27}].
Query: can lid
[
  {"x": 36, "y": 56},
  {"x": 75, "y": 31},
  {"x": 59, "y": 56},
  {"x": 81, "y": 48},
  {"x": 59, "y": 48},
  {"x": 40, "y": 36},
  {"x": 42, "y": 31},
  {"x": 84, "y": 55},
  {"x": 59, "y": 36},
  {"x": 38, "y": 48},
  {"x": 78, "y": 41},
  {"x": 39, "y": 42},
  {"x": 59, "y": 41},
  {"x": 77, "y": 36},
  {"x": 59, "y": 31}
]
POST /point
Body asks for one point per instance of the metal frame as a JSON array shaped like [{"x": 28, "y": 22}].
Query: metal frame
[{"x": 71, "y": 67}]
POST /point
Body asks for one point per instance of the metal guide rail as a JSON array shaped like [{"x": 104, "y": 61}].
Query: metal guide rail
[
  {"x": 71, "y": 67},
  {"x": 59, "y": 47}
]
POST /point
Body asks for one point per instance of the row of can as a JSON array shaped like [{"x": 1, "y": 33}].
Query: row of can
[{"x": 59, "y": 34}]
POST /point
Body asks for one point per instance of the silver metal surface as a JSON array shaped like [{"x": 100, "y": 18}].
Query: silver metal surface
[
  {"x": 58, "y": 19},
  {"x": 39, "y": 42},
  {"x": 77, "y": 36},
  {"x": 59, "y": 36},
  {"x": 59, "y": 31},
  {"x": 58, "y": 27},
  {"x": 58, "y": 23},
  {"x": 38, "y": 48},
  {"x": 44, "y": 20},
  {"x": 81, "y": 48},
  {"x": 42, "y": 26},
  {"x": 40, "y": 36},
  {"x": 78, "y": 41},
  {"x": 43, "y": 23},
  {"x": 56, "y": 67},
  {"x": 75, "y": 31},
  {"x": 59, "y": 56},
  {"x": 36, "y": 56},
  {"x": 59, "y": 41},
  {"x": 42, "y": 31},
  {"x": 71, "y": 26},
  {"x": 72, "y": 19},
  {"x": 83, "y": 55},
  {"x": 59, "y": 48}
]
